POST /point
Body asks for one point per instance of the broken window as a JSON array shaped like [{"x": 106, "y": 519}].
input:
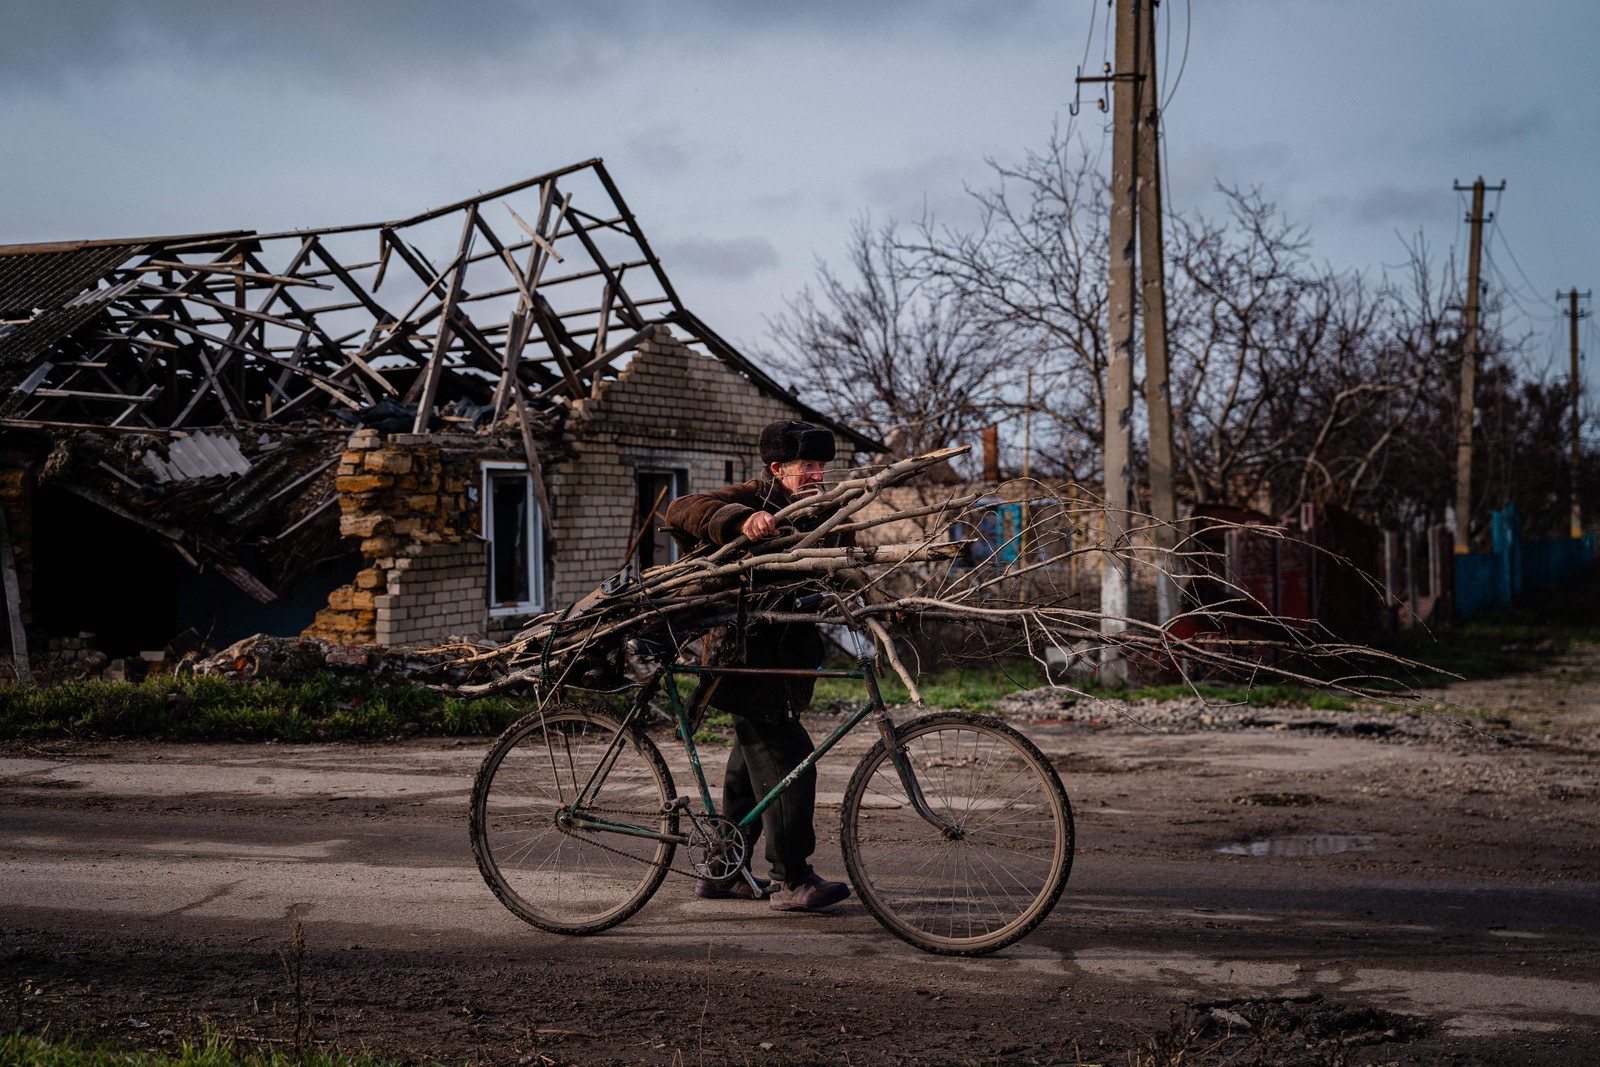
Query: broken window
[
  {"x": 511, "y": 522},
  {"x": 657, "y": 489}
]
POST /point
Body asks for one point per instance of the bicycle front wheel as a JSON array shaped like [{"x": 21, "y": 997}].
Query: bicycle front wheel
[
  {"x": 547, "y": 871},
  {"x": 996, "y": 867}
]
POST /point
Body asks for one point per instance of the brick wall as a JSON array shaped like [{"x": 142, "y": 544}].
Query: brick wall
[
  {"x": 434, "y": 593},
  {"x": 671, "y": 409},
  {"x": 411, "y": 499}
]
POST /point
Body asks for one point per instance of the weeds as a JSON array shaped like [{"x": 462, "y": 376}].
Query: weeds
[
  {"x": 199, "y": 708},
  {"x": 212, "y": 1050},
  {"x": 980, "y": 688},
  {"x": 294, "y": 966}
]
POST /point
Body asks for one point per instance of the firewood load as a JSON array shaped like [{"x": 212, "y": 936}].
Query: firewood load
[
  {"x": 946, "y": 568},
  {"x": 783, "y": 578}
]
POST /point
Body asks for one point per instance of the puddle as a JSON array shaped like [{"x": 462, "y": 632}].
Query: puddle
[{"x": 1303, "y": 845}]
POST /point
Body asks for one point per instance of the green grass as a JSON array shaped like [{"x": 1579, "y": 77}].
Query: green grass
[
  {"x": 1506, "y": 641},
  {"x": 979, "y": 686},
  {"x": 971, "y": 688},
  {"x": 1494, "y": 643},
  {"x": 215, "y": 708},
  {"x": 215, "y": 1050},
  {"x": 716, "y": 728}
]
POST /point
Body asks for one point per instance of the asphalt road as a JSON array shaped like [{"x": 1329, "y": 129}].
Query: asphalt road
[{"x": 1319, "y": 895}]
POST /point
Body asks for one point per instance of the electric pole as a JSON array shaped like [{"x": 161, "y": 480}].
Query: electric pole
[
  {"x": 1576, "y": 386},
  {"x": 1469, "y": 373},
  {"x": 1153, "y": 305},
  {"x": 1117, "y": 418}
]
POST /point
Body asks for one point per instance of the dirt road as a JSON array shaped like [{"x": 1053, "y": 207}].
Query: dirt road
[{"x": 1294, "y": 889}]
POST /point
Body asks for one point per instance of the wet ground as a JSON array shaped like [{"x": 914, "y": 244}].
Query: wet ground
[{"x": 1291, "y": 888}]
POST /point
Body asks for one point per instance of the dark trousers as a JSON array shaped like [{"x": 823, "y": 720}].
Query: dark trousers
[{"x": 766, "y": 750}]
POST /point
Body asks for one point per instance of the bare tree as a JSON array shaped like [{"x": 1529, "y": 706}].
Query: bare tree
[
  {"x": 1033, "y": 274},
  {"x": 881, "y": 349},
  {"x": 1292, "y": 382}
]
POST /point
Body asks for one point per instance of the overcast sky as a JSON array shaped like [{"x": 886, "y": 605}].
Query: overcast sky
[{"x": 747, "y": 134}]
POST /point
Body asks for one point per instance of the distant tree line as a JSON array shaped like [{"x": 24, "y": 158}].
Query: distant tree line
[{"x": 1292, "y": 381}]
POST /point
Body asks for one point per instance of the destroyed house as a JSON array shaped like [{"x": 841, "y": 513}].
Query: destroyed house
[{"x": 390, "y": 433}]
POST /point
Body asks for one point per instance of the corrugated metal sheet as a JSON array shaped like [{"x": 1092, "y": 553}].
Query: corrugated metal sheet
[
  {"x": 44, "y": 276},
  {"x": 33, "y": 338},
  {"x": 200, "y": 455},
  {"x": 49, "y": 279}
]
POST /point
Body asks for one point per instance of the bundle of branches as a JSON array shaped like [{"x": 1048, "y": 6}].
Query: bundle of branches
[
  {"x": 1011, "y": 573},
  {"x": 742, "y": 581}
]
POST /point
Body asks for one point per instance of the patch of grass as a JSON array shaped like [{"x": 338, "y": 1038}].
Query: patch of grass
[
  {"x": 971, "y": 688},
  {"x": 716, "y": 728},
  {"x": 1257, "y": 696},
  {"x": 200, "y": 708},
  {"x": 1506, "y": 641},
  {"x": 978, "y": 687},
  {"x": 214, "y": 1050}
]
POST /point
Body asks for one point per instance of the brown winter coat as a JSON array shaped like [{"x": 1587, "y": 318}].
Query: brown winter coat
[{"x": 715, "y": 518}]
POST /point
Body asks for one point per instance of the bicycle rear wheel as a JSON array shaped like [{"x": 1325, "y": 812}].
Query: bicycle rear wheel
[
  {"x": 1000, "y": 869},
  {"x": 555, "y": 876}
]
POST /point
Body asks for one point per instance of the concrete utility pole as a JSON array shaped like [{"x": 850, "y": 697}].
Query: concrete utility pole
[
  {"x": 1577, "y": 387},
  {"x": 1153, "y": 304},
  {"x": 1117, "y": 418},
  {"x": 1469, "y": 374}
]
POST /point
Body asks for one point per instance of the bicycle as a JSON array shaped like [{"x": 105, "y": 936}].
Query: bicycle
[{"x": 956, "y": 830}]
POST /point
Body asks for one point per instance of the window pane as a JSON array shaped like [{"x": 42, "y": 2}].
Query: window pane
[
  {"x": 656, "y": 489},
  {"x": 508, "y": 530}
]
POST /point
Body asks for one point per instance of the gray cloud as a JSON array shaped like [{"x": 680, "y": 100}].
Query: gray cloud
[
  {"x": 51, "y": 43},
  {"x": 1495, "y": 127},
  {"x": 661, "y": 149},
  {"x": 1384, "y": 204},
  {"x": 929, "y": 186},
  {"x": 731, "y": 258}
]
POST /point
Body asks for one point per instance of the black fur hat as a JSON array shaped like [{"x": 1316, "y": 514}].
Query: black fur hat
[{"x": 783, "y": 441}]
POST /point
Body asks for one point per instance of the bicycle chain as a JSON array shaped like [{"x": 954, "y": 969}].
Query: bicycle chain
[{"x": 597, "y": 843}]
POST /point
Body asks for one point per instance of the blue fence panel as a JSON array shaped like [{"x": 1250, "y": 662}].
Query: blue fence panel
[
  {"x": 1498, "y": 579},
  {"x": 1478, "y": 583},
  {"x": 1546, "y": 563}
]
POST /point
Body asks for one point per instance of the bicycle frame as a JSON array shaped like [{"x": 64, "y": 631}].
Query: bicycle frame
[{"x": 685, "y": 728}]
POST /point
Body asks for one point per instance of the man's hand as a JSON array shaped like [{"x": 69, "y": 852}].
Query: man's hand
[{"x": 758, "y": 526}]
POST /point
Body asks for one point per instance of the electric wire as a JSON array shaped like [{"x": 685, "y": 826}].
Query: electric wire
[
  {"x": 1166, "y": 55},
  {"x": 1188, "y": 26},
  {"x": 1532, "y": 290},
  {"x": 1497, "y": 228}
]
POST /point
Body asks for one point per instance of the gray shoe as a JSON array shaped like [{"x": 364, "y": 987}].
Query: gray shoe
[{"x": 811, "y": 893}]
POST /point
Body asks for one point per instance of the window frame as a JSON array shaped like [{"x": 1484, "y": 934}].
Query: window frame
[
  {"x": 680, "y": 488},
  {"x": 490, "y": 470}
]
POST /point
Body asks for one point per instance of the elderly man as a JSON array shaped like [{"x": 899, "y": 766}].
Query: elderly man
[{"x": 771, "y": 742}]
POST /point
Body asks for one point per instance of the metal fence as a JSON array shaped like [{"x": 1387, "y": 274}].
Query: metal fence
[{"x": 1498, "y": 578}]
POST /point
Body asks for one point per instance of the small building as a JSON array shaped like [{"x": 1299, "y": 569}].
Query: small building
[{"x": 392, "y": 433}]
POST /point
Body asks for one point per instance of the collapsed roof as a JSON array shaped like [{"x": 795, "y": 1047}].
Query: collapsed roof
[
  {"x": 202, "y": 385},
  {"x": 534, "y": 291}
]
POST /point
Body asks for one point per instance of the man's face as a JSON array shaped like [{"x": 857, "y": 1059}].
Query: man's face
[{"x": 802, "y": 477}]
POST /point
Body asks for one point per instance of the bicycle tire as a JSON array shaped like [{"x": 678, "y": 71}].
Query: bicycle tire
[
  {"x": 1000, "y": 877},
  {"x": 559, "y": 879}
]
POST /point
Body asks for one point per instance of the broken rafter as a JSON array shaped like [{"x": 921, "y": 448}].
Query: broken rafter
[
  {"x": 232, "y": 272},
  {"x": 430, "y": 376},
  {"x": 240, "y": 316}
]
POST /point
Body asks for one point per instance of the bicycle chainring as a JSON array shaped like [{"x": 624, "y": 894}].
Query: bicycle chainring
[{"x": 716, "y": 847}]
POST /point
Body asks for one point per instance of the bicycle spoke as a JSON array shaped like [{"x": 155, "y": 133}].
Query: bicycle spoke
[{"x": 995, "y": 874}]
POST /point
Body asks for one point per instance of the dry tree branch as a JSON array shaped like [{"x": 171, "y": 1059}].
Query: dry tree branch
[{"x": 1020, "y": 592}]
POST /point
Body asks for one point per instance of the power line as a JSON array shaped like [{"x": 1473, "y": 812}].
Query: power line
[
  {"x": 1533, "y": 290},
  {"x": 1188, "y": 27}
]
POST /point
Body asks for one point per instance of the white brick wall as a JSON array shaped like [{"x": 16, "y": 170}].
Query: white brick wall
[
  {"x": 436, "y": 593},
  {"x": 671, "y": 408}
]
